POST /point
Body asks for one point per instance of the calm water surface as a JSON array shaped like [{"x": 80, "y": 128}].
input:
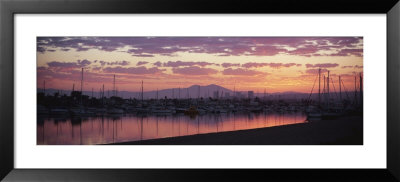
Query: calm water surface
[{"x": 111, "y": 129}]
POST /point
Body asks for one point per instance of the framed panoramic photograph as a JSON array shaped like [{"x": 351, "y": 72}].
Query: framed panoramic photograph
[
  {"x": 141, "y": 100},
  {"x": 199, "y": 91}
]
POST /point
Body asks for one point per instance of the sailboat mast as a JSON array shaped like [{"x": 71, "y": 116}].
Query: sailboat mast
[
  {"x": 102, "y": 95},
  {"x": 44, "y": 87},
  {"x": 234, "y": 91},
  {"x": 82, "y": 81},
  {"x": 157, "y": 94},
  {"x": 340, "y": 89},
  {"x": 355, "y": 90},
  {"x": 264, "y": 93},
  {"x": 324, "y": 91},
  {"x": 361, "y": 95},
  {"x": 198, "y": 93},
  {"x": 179, "y": 93},
  {"x": 142, "y": 90},
  {"x": 319, "y": 86},
  {"x": 327, "y": 85},
  {"x": 82, "y": 86},
  {"x": 114, "y": 92}
]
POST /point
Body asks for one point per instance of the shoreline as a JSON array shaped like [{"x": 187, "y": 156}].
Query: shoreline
[{"x": 347, "y": 130}]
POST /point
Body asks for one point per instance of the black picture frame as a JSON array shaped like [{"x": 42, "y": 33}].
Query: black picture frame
[{"x": 9, "y": 8}]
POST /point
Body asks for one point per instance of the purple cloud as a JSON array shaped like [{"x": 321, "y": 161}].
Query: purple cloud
[
  {"x": 349, "y": 52},
  {"x": 221, "y": 46},
  {"x": 315, "y": 71},
  {"x": 355, "y": 66},
  {"x": 255, "y": 65},
  {"x": 279, "y": 65},
  {"x": 158, "y": 63},
  {"x": 240, "y": 71},
  {"x": 133, "y": 70},
  {"x": 77, "y": 64},
  {"x": 83, "y": 63},
  {"x": 193, "y": 70},
  {"x": 227, "y": 65},
  {"x": 186, "y": 63},
  {"x": 272, "y": 65},
  {"x": 141, "y": 63},
  {"x": 120, "y": 63},
  {"x": 322, "y": 65}
]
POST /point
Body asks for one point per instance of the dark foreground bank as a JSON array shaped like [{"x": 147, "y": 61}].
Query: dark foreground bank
[{"x": 340, "y": 131}]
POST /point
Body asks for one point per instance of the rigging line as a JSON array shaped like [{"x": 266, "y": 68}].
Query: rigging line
[
  {"x": 347, "y": 94},
  {"x": 334, "y": 89},
  {"x": 312, "y": 88}
]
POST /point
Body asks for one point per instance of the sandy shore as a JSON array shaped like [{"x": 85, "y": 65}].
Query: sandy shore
[{"x": 341, "y": 131}]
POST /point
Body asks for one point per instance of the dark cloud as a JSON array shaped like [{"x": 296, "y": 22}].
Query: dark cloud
[
  {"x": 255, "y": 65},
  {"x": 186, "y": 63},
  {"x": 355, "y": 66},
  {"x": 132, "y": 70},
  {"x": 41, "y": 49},
  {"x": 222, "y": 46},
  {"x": 349, "y": 52},
  {"x": 280, "y": 65},
  {"x": 322, "y": 65},
  {"x": 77, "y": 64},
  {"x": 227, "y": 65},
  {"x": 193, "y": 70},
  {"x": 158, "y": 63},
  {"x": 120, "y": 63},
  {"x": 272, "y": 65},
  {"x": 83, "y": 63},
  {"x": 241, "y": 71},
  {"x": 315, "y": 71},
  {"x": 141, "y": 63}
]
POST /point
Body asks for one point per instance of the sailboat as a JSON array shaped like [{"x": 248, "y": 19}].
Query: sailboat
[
  {"x": 114, "y": 110},
  {"x": 312, "y": 111},
  {"x": 79, "y": 109}
]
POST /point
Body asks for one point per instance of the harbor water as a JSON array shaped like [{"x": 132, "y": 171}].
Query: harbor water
[{"x": 63, "y": 130}]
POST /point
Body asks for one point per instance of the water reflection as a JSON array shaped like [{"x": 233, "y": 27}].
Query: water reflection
[{"x": 103, "y": 130}]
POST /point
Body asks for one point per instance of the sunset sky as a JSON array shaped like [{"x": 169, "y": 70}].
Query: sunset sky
[{"x": 276, "y": 64}]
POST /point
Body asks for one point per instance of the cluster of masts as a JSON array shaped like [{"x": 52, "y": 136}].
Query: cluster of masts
[{"x": 324, "y": 96}]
